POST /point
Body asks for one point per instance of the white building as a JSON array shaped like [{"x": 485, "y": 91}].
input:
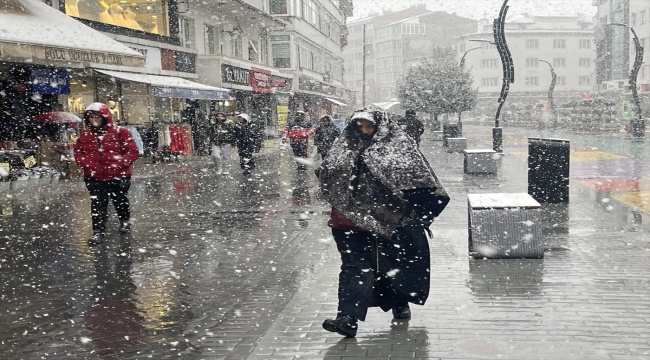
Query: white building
[{"x": 566, "y": 42}]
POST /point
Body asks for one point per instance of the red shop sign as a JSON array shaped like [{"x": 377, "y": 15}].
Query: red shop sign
[{"x": 260, "y": 81}]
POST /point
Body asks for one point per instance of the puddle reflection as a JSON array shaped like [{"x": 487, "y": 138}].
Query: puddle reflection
[{"x": 506, "y": 278}]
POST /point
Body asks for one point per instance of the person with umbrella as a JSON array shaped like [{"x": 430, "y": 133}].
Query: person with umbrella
[{"x": 106, "y": 153}]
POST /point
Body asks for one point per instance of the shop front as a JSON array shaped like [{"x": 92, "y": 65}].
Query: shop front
[
  {"x": 160, "y": 108},
  {"x": 256, "y": 91},
  {"x": 38, "y": 72},
  {"x": 318, "y": 98}
]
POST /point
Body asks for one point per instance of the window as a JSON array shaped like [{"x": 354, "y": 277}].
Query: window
[
  {"x": 211, "y": 39},
  {"x": 559, "y": 44},
  {"x": 253, "y": 50},
  {"x": 521, "y": 26},
  {"x": 532, "y": 81},
  {"x": 585, "y": 44},
  {"x": 532, "y": 62},
  {"x": 412, "y": 29},
  {"x": 584, "y": 80},
  {"x": 143, "y": 15},
  {"x": 532, "y": 44},
  {"x": 281, "y": 54},
  {"x": 186, "y": 29},
  {"x": 633, "y": 19},
  {"x": 309, "y": 56},
  {"x": 559, "y": 62},
  {"x": 264, "y": 48},
  {"x": 585, "y": 62},
  {"x": 489, "y": 63},
  {"x": 311, "y": 12},
  {"x": 235, "y": 46},
  {"x": 487, "y": 46},
  {"x": 489, "y": 82},
  {"x": 642, "y": 18},
  {"x": 561, "y": 80},
  {"x": 278, "y": 7},
  {"x": 461, "y": 48}
]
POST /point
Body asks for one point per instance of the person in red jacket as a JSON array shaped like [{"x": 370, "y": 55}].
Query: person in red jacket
[{"x": 106, "y": 153}]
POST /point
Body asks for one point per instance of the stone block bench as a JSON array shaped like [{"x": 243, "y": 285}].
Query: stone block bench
[
  {"x": 504, "y": 225},
  {"x": 480, "y": 161}
]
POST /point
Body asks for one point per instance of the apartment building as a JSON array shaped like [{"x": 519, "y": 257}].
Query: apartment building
[
  {"x": 615, "y": 44},
  {"x": 566, "y": 42},
  {"x": 395, "y": 41}
]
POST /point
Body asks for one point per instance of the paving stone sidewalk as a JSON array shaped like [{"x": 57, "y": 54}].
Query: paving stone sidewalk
[{"x": 589, "y": 297}]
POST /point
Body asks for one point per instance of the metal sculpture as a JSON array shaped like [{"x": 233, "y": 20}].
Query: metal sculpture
[
  {"x": 508, "y": 73},
  {"x": 551, "y": 102}
]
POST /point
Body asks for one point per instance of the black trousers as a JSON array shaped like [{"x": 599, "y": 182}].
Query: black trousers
[
  {"x": 246, "y": 159},
  {"x": 361, "y": 284},
  {"x": 299, "y": 148},
  {"x": 100, "y": 193}
]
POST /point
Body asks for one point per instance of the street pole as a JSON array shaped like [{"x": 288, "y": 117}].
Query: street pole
[
  {"x": 638, "y": 124},
  {"x": 363, "y": 70},
  {"x": 551, "y": 102},
  {"x": 462, "y": 60},
  {"x": 498, "y": 28}
]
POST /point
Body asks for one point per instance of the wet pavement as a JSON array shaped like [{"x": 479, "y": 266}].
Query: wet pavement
[{"x": 240, "y": 267}]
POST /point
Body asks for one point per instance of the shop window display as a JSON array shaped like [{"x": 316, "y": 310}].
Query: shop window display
[{"x": 144, "y": 15}]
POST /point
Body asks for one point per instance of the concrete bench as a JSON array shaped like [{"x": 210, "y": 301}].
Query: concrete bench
[
  {"x": 437, "y": 136},
  {"x": 480, "y": 161},
  {"x": 504, "y": 225},
  {"x": 456, "y": 145}
]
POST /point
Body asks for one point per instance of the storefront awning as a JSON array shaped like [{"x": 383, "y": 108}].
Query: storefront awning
[
  {"x": 170, "y": 86},
  {"x": 386, "y": 105},
  {"x": 31, "y": 29},
  {"x": 336, "y": 102}
]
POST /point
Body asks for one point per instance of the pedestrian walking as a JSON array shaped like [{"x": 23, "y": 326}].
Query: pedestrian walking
[
  {"x": 297, "y": 133},
  {"x": 222, "y": 140},
  {"x": 325, "y": 134},
  {"x": 245, "y": 138},
  {"x": 106, "y": 153},
  {"x": 412, "y": 126},
  {"x": 384, "y": 196}
]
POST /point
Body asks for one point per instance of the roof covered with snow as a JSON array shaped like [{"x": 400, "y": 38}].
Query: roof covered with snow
[
  {"x": 35, "y": 23},
  {"x": 162, "y": 81}
]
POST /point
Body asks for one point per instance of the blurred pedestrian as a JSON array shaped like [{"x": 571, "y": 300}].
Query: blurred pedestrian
[
  {"x": 245, "y": 138},
  {"x": 222, "y": 140},
  {"x": 297, "y": 133},
  {"x": 384, "y": 196},
  {"x": 412, "y": 126},
  {"x": 325, "y": 134},
  {"x": 106, "y": 153}
]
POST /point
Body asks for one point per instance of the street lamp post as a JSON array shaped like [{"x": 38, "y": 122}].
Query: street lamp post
[
  {"x": 638, "y": 124},
  {"x": 462, "y": 60},
  {"x": 498, "y": 28},
  {"x": 551, "y": 102}
]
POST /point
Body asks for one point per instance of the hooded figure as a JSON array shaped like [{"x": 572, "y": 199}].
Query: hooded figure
[
  {"x": 384, "y": 197},
  {"x": 297, "y": 132},
  {"x": 222, "y": 139},
  {"x": 325, "y": 134},
  {"x": 106, "y": 153},
  {"x": 412, "y": 125},
  {"x": 245, "y": 139}
]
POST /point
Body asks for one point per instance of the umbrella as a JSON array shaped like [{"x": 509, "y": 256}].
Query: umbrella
[{"x": 57, "y": 117}]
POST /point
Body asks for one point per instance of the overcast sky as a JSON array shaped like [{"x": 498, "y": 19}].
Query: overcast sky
[{"x": 478, "y": 9}]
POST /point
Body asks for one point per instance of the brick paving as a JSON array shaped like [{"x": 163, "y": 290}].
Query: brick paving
[
  {"x": 587, "y": 299},
  {"x": 236, "y": 268}
]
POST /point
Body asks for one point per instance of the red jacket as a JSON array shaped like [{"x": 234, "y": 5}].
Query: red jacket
[{"x": 108, "y": 153}]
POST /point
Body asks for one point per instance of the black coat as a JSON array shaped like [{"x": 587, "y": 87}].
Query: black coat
[
  {"x": 413, "y": 127},
  {"x": 246, "y": 136},
  {"x": 324, "y": 137}
]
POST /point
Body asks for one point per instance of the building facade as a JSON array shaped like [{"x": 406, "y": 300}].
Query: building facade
[
  {"x": 617, "y": 51},
  {"x": 566, "y": 42},
  {"x": 395, "y": 41}
]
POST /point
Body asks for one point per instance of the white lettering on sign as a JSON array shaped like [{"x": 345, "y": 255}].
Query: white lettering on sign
[
  {"x": 236, "y": 75},
  {"x": 82, "y": 56}
]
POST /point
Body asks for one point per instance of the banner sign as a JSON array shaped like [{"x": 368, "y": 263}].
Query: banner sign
[
  {"x": 235, "y": 75},
  {"x": 50, "y": 81},
  {"x": 190, "y": 93},
  {"x": 260, "y": 80}
]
